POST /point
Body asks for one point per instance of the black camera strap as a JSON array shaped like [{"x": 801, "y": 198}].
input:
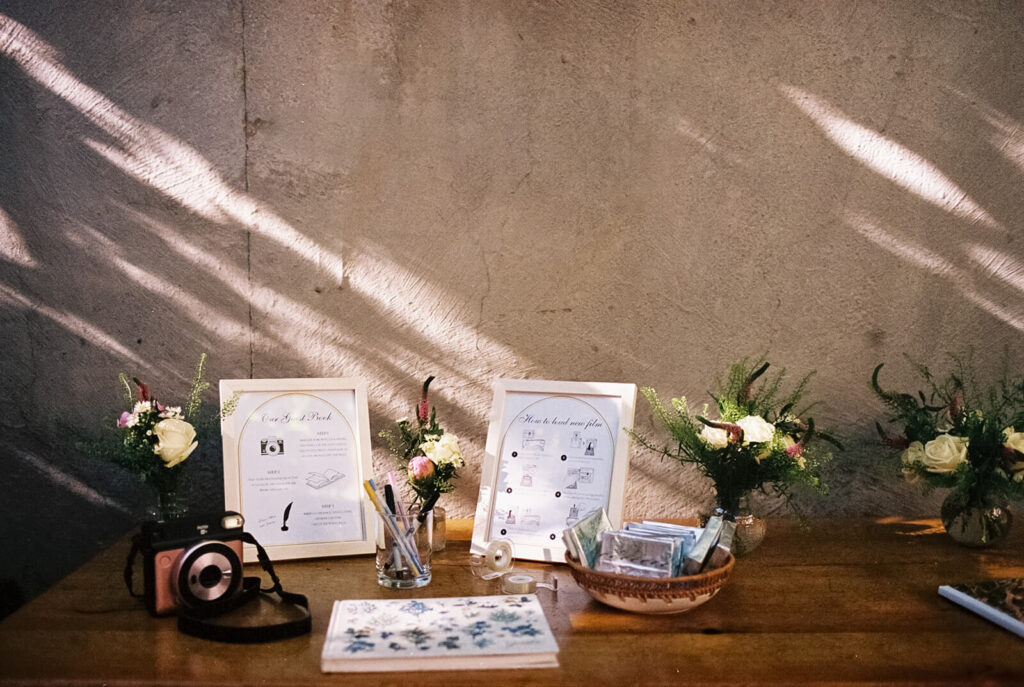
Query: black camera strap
[{"x": 201, "y": 621}]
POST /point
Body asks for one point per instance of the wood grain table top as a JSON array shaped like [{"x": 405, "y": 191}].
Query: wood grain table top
[{"x": 842, "y": 601}]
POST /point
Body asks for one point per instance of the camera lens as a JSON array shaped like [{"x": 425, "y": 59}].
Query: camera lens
[
  {"x": 209, "y": 576},
  {"x": 209, "y": 571}
]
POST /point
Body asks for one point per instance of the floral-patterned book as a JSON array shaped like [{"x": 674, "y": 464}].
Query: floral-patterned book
[
  {"x": 1001, "y": 601},
  {"x": 457, "y": 633}
]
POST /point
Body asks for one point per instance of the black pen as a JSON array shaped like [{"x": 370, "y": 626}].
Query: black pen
[
  {"x": 389, "y": 498},
  {"x": 428, "y": 506}
]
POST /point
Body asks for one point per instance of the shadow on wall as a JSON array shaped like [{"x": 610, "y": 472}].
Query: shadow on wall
[
  {"x": 993, "y": 279},
  {"x": 131, "y": 262}
]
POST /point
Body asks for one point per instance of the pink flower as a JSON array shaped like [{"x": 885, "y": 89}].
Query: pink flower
[
  {"x": 423, "y": 411},
  {"x": 122, "y": 421},
  {"x": 421, "y": 469},
  {"x": 143, "y": 389}
]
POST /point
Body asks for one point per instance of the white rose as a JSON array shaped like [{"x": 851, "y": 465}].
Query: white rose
[
  {"x": 911, "y": 455},
  {"x": 1013, "y": 439},
  {"x": 944, "y": 453},
  {"x": 175, "y": 441},
  {"x": 756, "y": 429},
  {"x": 714, "y": 437},
  {"x": 444, "y": 450}
]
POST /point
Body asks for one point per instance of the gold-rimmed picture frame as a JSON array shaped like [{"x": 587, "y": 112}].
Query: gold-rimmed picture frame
[
  {"x": 296, "y": 452},
  {"x": 556, "y": 451}
]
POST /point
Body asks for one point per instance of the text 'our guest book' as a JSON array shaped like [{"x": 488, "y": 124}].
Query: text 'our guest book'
[{"x": 458, "y": 633}]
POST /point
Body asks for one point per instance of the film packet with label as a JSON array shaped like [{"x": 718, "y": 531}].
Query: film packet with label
[{"x": 626, "y": 553}]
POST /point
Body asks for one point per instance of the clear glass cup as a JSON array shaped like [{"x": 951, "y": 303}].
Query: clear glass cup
[{"x": 394, "y": 569}]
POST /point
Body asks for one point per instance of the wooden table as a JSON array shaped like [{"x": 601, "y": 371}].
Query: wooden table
[{"x": 845, "y": 602}]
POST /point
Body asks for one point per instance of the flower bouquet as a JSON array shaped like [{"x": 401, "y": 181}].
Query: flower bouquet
[
  {"x": 960, "y": 437},
  {"x": 153, "y": 440},
  {"x": 757, "y": 442},
  {"x": 431, "y": 457}
]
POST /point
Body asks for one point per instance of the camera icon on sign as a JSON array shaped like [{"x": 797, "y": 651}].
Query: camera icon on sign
[{"x": 271, "y": 446}]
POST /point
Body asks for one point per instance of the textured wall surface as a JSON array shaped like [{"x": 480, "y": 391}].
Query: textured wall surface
[{"x": 606, "y": 191}]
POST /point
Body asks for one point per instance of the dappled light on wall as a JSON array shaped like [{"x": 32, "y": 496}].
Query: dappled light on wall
[
  {"x": 895, "y": 162},
  {"x": 12, "y": 245},
  {"x": 73, "y": 324},
  {"x": 102, "y": 248},
  {"x": 1007, "y": 136},
  {"x": 413, "y": 318},
  {"x": 1005, "y": 268},
  {"x": 932, "y": 262},
  {"x": 153, "y": 157}
]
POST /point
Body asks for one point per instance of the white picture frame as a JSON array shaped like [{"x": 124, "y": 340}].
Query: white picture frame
[
  {"x": 556, "y": 451},
  {"x": 296, "y": 452}
]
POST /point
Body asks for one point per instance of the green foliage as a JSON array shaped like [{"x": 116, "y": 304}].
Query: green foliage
[
  {"x": 959, "y": 405},
  {"x": 194, "y": 400},
  {"x": 131, "y": 447},
  {"x": 230, "y": 406},
  {"x": 793, "y": 455}
]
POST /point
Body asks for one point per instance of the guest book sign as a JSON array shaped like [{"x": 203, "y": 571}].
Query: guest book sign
[
  {"x": 556, "y": 452},
  {"x": 296, "y": 452}
]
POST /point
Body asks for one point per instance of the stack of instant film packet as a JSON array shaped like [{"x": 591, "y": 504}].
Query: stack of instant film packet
[{"x": 648, "y": 548}]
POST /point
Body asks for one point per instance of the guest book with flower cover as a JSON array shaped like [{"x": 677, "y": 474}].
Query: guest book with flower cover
[
  {"x": 1001, "y": 601},
  {"x": 457, "y": 633}
]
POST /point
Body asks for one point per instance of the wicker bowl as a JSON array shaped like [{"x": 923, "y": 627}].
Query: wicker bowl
[{"x": 647, "y": 594}]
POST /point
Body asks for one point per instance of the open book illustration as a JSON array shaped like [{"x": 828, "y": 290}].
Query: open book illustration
[
  {"x": 319, "y": 481},
  {"x": 1001, "y": 601},
  {"x": 438, "y": 634}
]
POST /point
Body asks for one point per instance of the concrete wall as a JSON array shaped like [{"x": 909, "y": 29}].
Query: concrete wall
[{"x": 599, "y": 190}]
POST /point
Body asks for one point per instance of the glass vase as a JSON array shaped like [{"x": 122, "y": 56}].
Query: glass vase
[
  {"x": 395, "y": 569},
  {"x": 440, "y": 529},
  {"x": 750, "y": 528},
  {"x": 975, "y": 522},
  {"x": 170, "y": 505}
]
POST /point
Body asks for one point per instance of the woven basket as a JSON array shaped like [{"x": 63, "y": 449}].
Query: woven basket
[{"x": 648, "y": 594}]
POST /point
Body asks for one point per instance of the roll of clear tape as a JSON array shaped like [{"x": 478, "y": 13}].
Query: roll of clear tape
[
  {"x": 497, "y": 559},
  {"x": 518, "y": 584},
  {"x": 521, "y": 583}
]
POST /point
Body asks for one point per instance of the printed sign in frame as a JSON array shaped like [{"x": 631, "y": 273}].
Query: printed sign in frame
[
  {"x": 296, "y": 452},
  {"x": 556, "y": 452}
]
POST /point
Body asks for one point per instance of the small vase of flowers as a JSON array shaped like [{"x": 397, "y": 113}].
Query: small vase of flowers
[
  {"x": 758, "y": 442},
  {"x": 153, "y": 441},
  {"x": 431, "y": 458},
  {"x": 960, "y": 436}
]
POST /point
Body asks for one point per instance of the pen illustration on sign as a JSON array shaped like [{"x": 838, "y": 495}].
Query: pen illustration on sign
[{"x": 284, "y": 520}]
